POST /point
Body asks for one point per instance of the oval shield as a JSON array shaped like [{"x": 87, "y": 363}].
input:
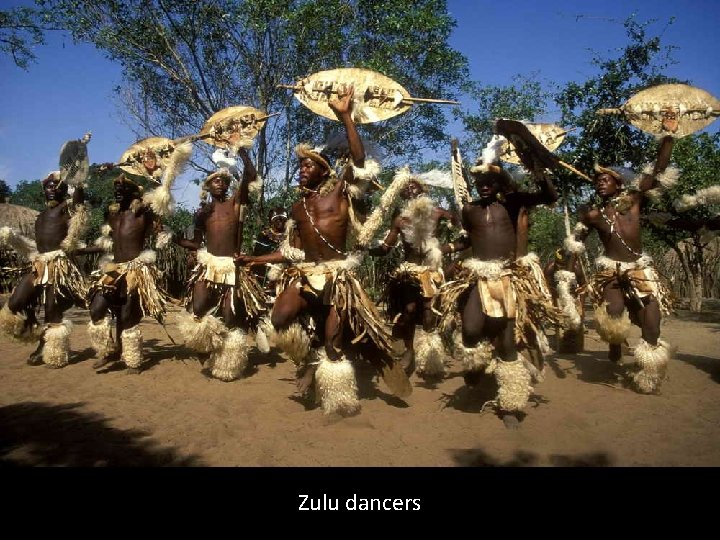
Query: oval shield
[
  {"x": 671, "y": 109},
  {"x": 550, "y": 136},
  {"x": 234, "y": 127},
  {"x": 377, "y": 97},
  {"x": 148, "y": 157}
]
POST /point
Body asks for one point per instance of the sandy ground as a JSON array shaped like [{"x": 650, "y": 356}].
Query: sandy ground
[{"x": 171, "y": 414}]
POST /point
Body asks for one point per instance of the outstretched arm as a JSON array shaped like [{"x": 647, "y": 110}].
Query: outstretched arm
[
  {"x": 575, "y": 242},
  {"x": 251, "y": 260},
  {"x": 389, "y": 242}
]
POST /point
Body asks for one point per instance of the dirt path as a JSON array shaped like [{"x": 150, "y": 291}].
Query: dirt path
[{"x": 173, "y": 415}]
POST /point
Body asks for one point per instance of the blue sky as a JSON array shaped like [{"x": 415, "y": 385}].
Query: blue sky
[{"x": 69, "y": 90}]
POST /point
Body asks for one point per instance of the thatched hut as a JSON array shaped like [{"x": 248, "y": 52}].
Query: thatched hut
[
  {"x": 18, "y": 217},
  {"x": 12, "y": 266}
]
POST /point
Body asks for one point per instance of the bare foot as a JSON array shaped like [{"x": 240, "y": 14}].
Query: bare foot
[
  {"x": 305, "y": 381},
  {"x": 510, "y": 420},
  {"x": 132, "y": 371},
  {"x": 35, "y": 359},
  {"x": 50, "y": 366},
  {"x": 615, "y": 353},
  {"x": 101, "y": 362}
]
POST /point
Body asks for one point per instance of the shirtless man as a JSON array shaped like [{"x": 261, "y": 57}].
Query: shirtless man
[
  {"x": 54, "y": 281},
  {"x": 627, "y": 288},
  {"x": 416, "y": 281},
  {"x": 129, "y": 285},
  {"x": 320, "y": 281},
  {"x": 498, "y": 296},
  {"x": 216, "y": 286}
]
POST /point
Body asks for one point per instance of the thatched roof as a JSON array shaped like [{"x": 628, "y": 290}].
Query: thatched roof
[{"x": 18, "y": 217}]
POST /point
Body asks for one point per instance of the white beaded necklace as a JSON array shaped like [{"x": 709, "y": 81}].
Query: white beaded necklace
[{"x": 614, "y": 231}]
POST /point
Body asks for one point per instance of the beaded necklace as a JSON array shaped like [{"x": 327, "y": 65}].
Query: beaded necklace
[
  {"x": 615, "y": 232},
  {"x": 325, "y": 240}
]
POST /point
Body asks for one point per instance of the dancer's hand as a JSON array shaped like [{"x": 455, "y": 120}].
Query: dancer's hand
[{"x": 343, "y": 104}]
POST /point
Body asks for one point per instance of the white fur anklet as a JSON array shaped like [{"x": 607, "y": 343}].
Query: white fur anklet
[
  {"x": 336, "y": 385},
  {"x": 13, "y": 325},
  {"x": 230, "y": 361},
  {"x": 131, "y": 340},
  {"x": 613, "y": 330},
  {"x": 202, "y": 334},
  {"x": 100, "y": 337},
  {"x": 57, "y": 344},
  {"x": 429, "y": 353},
  {"x": 653, "y": 362},
  {"x": 514, "y": 385},
  {"x": 474, "y": 358},
  {"x": 294, "y": 342}
]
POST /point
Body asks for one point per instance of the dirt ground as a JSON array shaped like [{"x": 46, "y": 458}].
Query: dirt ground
[{"x": 171, "y": 414}]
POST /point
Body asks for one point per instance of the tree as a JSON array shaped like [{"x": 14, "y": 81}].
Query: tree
[
  {"x": 525, "y": 99},
  {"x": 20, "y": 29},
  {"x": 5, "y": 191},
  {"x": 30, "y": 194},
  {"x": 605, "y": 139},
  {"x": 609, "y": 141},
  {"x": 698, "y": 157},
  {"x": 186, "y": 59}
]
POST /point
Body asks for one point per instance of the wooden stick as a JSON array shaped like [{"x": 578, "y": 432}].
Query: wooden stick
[
  {"x": 574, "y": 170},
  {"x": 609, "y": 111},
  {"x": 430, "y": 100}
]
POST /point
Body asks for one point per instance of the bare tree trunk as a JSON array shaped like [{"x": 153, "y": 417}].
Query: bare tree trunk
[
  {"x": 697, "y": 267},
  {"x": 690, "y": 255}
]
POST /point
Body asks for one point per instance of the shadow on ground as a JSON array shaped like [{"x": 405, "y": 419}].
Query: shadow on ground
[
  {"x": 479, "y": 458},
  {"x": 43, "y": 434},
  {"x": 710, "y": 366}
]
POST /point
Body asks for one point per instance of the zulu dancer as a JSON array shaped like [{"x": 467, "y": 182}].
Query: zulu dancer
[
  {"x": 223, "y": 301},
  {"x": 416, "y": 281},
  {"x": 320, "y": 279},
  {"x": 54, "y": 281},
  {"x": 128, "y": 287},
  {"x": 627, "y": 289},
  {"x": 499, "y": 296}
]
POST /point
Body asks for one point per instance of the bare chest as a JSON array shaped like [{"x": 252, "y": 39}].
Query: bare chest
[
  {"x": 52, "y": 219},
  {"x": 488, "y": 218}
]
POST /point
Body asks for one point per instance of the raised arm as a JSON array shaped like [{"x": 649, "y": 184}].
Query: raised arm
[
  {"x": 249, "y": 175},
  {"x": 650, "y": 181},
  {"x": 78, "y": 196},
  {"x": 547, "y": 194},
  {"x": 575, "y": 243},
  {"x": 342, "y": 107}
]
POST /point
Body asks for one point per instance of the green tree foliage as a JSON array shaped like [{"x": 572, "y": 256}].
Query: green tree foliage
[
  {"x": 525, "y": 99},
  {"x": 186, "y": 59},
  {"x": 5, "y": 191},
  {"x": 605, "y": 139},
  {"x": 20, "y": 30},
  {"x": 30, "y": 194}
]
